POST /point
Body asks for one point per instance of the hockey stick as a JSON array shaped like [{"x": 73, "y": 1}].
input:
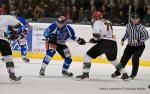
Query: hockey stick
[{"x": 69, "y": 41}]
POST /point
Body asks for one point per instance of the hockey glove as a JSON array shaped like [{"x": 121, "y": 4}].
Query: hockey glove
[
  {"x": 92, "y": 40},
  {"x": 52, "y": 38},
  {"x": 12, "y": 37},
  {"x": 81, "y": 41}
]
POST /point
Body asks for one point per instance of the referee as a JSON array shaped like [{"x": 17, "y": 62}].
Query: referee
[{"x": 136, "y": 34}]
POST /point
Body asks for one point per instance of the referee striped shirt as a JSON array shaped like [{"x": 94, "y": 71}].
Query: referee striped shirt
[{"x": 135, "y": 34}]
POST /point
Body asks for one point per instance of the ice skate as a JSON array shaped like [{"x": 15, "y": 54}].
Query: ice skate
[
  {"x": 84, "y": 76},
  {"x": 132, "y": 76},
  {"x": 26, "y": 60},
  {"x": 14, "y": 79},
  {"x": 115, "y": 74},
  {"x": 2, "y": 59},
  {"x": 42, "y": 72},
  {"x": 125, "y": 76},
  {"x": 67, "y": 74}
]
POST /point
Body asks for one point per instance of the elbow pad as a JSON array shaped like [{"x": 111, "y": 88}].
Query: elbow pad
[{"x": 46, "y": 34}]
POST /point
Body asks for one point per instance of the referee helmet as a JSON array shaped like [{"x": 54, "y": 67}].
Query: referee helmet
[{"x": 135, "y": 16}]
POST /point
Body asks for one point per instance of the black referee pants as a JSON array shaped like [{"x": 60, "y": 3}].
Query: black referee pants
[{"x": 135, "y": 52}]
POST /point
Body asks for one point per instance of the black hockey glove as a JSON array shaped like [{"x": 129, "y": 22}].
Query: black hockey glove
[
  {"x": 92, "y": 40},
  {"x": 52, "y": 38},
  {"x": 81, "y": 41},
  {"x": 12, "y": 37}
]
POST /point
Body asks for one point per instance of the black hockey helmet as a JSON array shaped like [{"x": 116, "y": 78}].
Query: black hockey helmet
[{"x": 135, "y": 16}]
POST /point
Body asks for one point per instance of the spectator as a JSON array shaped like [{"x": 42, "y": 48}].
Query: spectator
[
  {"x": 54, "y": 8},
  {"x": 29, "y": 13},
  {"x": 124, "y": 12},
  {"x": 67, "y": 14},
  {"x": 98, "y": 4},
  {"x": 87, "y": 7},
  {"x": 74, "y": 14},
  {"x": 106, "y": 9},
  {"x": 114, "y": 10},
  {"x": 2, "y": 9},
  {"x": 38, "y": 13},
  {"x": 12, "y": 7},
  {"x": 81, "y": 15},
  {"x": 147, "y": 17},
  {"x": 93, "y": 9},
  {"x": 147, "y": 3},
  {"x": 121, "y": 18},
  {"x": 68, "y": 2}
]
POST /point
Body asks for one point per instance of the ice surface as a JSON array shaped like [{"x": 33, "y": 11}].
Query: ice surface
[{"x": 54, "y": 83}]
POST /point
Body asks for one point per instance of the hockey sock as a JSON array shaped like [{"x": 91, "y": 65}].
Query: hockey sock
[
  {"x": 86, "y": 67},
  {"x": 23, "y": 51},
  {"x": 49, "y": 54},
  {"x": 87, "y": 64},
  {"x": 67, "y": 63},
  {"x": 9, "y": 64},
  {"x": 10, "y": 67},
  {"x": 118, "y": 66}
]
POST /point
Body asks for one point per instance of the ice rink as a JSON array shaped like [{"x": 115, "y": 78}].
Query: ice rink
[{"x": 100, "y": 81}]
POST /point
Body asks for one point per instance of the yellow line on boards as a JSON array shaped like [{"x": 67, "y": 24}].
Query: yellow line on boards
[{"x": 77, "y": 58}]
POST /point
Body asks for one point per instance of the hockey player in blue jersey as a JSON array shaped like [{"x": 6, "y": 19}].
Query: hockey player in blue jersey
[
  {"x": 56, "y": 36},
  {"x": 23, "y": 33}
]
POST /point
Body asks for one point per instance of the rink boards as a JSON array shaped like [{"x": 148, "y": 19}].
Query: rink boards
[{"x": 36, "y": 46}]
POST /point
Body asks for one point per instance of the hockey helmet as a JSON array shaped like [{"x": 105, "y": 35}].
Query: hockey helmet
[
  {"x": 97, "y": 15},
  {"x": 135, "y": 16},
  {"x": 13, "y": 13},
  {"x": 61, "y": 19}
]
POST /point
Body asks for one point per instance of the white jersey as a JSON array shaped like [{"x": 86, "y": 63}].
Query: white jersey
[
  {"x": 104, "y": 29},
  {"x": 5, "y": 21}
]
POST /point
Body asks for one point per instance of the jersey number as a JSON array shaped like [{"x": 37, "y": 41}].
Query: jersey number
[{"x": 109, "y": 26}]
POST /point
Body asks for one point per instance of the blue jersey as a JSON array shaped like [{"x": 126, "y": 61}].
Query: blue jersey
[
  {"x": 25, "y": 25},
  {"x": 62, "y": 35},
  {"x": 23, "y": 21},
  {"x": 21, "y": 30}
]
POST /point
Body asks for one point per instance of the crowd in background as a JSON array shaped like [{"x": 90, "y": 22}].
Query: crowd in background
[{"x": 80, "y": 11}]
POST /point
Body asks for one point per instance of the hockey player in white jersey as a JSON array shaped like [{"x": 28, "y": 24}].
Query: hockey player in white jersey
[
  {"x": 8, "y": 21},
  {"x": 105, "y": 44},
  {"x": 23, "y": 32}
]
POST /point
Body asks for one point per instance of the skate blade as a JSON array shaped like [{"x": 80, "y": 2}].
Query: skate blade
[
  {"x": 127, "y": 80},
  {"x": 26, "y": 61},
  {"x": 80, "y": 79},
  {"x": 132, "y": 78},
  {"x": 41, "y": 76},
  {"x": 66, "y": 76},
  {"x": 16, "y": 82},
  {"x": 115, "y": 77}
]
